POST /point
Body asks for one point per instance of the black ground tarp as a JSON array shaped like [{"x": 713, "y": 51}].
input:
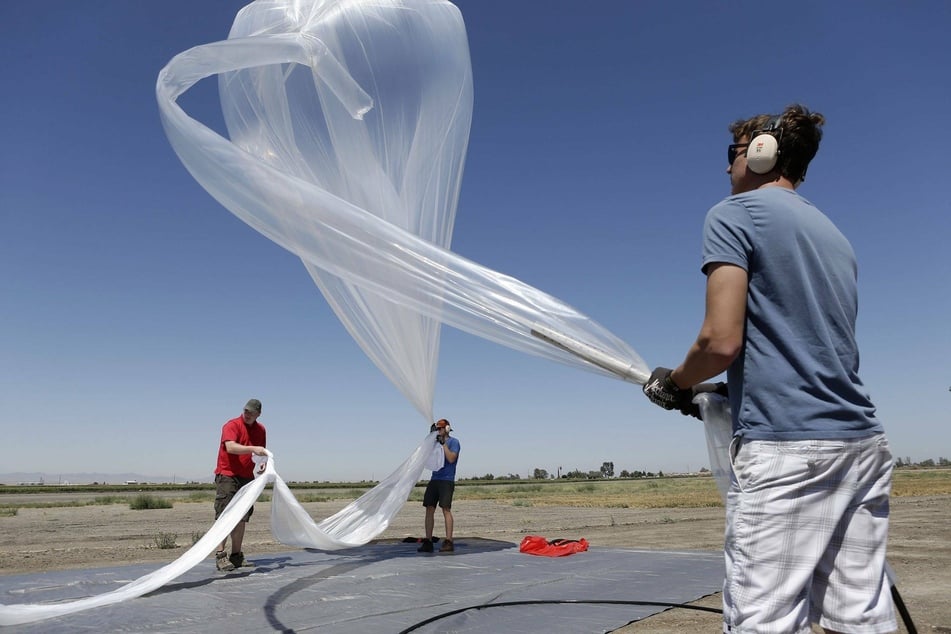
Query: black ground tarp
[{"x": 384, "y": 587}]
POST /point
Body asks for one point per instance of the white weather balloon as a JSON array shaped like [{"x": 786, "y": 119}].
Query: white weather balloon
[{"x": 348, "y": 124}]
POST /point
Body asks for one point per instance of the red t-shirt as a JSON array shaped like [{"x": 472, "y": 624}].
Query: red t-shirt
[{"x": 242, "y": 466}]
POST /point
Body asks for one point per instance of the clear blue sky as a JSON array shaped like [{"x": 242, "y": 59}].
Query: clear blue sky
[{"x": 137, "y": 314}]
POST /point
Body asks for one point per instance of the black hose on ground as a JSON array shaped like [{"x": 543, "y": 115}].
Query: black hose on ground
[{"x": 555, "y": 602}]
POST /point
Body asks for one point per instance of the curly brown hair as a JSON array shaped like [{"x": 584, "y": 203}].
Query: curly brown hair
[{"x": 799, "y": 142}]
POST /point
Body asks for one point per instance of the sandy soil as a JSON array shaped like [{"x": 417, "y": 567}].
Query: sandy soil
[{"x": 37, "y": 539}]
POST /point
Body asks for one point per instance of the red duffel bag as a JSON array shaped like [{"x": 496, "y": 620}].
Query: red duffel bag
[{"x": 535, "y": 545}]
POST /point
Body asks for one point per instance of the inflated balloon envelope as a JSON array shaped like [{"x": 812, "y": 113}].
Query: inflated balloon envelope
[{"x": 348, "y": 123}]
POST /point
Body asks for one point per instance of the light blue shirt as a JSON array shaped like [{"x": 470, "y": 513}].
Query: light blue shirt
[
  {"x": 796, "y": 377},
  {"x": 448, "y": 471}
]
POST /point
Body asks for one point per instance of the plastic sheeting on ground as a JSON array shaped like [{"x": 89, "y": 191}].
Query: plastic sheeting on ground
[
  {"x": 354, "y": 525},
  {"x": 386, "y": 588}
]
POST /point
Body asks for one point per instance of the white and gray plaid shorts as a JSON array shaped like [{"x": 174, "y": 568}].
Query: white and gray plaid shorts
[{"x": 807, "y": 526}]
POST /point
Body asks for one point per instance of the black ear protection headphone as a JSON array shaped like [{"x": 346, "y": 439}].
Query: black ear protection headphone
[{"x": 763, "y": 151}]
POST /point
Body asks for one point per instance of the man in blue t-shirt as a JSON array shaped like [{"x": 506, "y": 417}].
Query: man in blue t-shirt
[
  {"x": 807, "y": 510},
  {"x": 441, "y": 486}
]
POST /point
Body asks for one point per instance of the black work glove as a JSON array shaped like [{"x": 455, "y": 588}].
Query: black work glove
[
  {"x": 665, "y": 393},
  {"x": 660, "y": 390},
  {"x": 691, "y": 408}
]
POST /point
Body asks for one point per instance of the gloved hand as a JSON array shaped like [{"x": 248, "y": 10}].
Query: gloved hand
[
  {"x": 660, "y": 390},
  {"x": 691, "y": 408}
]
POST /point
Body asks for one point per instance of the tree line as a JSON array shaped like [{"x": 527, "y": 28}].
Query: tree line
[{"x": 606, "y": 471}]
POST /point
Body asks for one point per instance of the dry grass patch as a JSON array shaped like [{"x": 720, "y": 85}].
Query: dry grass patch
[
  {"x": 689, "y": 492},
  {"x": 670, "y": 492},
  {"x": 914, "y": 482}
]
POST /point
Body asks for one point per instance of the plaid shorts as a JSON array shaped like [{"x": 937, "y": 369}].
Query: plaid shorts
[{"x": 807, "y": 525}]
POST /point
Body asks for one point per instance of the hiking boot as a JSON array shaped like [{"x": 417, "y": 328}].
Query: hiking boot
[
  {"x": 426, "y": 546},
  {"x": 236, "y": 559},
  {"x": 223, "y": 562},
  {"x": 447, "y": 546}
]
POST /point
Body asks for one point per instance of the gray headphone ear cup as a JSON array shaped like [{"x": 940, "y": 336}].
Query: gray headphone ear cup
[{"x": 762, "y": 153}]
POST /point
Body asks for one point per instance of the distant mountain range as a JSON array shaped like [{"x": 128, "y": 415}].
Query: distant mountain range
[{"x": 89, "y": 478}]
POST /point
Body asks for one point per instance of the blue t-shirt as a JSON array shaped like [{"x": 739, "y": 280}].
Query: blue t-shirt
[
  {"x": 448, "y": 471},
  {"x": 796, "y": 377}
]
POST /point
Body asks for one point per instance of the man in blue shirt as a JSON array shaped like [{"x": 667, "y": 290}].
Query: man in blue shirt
[
  {"x": 441, "y": 486},
  {"x": 807, "y": 510}
]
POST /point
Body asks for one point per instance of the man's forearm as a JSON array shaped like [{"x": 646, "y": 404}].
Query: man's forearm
[
  {"x": 700, "y": 365},
  {"x": 238, "y": 449}
]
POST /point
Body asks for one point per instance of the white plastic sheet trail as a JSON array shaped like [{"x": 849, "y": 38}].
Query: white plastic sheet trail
[
  {"x": 348, "y": 123},
  {"x": 354, "y": 525}
]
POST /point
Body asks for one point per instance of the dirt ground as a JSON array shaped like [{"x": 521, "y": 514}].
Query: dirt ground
[{"x": 58, "y": 538}]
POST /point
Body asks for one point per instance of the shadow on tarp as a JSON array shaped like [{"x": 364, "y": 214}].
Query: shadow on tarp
[{"x": 385, "y": 587}]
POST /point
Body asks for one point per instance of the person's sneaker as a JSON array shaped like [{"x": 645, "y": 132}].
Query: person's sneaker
[
  {"x": 426, "y": 546},
  {"x": 223, "y": 562},
  {"x": 447, "y": 546},
  {"x": 236, "y": 559}
]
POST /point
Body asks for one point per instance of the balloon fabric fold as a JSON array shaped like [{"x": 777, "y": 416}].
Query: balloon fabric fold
[
  {"x": 348, "y": 124},
  {"x": 354, "y": 525}
]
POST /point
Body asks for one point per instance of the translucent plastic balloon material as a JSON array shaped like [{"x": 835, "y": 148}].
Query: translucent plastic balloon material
[
  {"x": 718, "y": 428},
  {"x": 348, "y": 123},
  {"x": 355, "y": 525},
  {"x": 331, "y": 107}
]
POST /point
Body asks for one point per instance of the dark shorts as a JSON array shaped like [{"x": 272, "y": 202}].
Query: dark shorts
[
  {"x": 225, "y": 488},
  {"x": 439, "y": 491}
]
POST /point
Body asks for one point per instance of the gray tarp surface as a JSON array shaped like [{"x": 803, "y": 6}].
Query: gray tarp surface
[{"x": 384, "y": 587}]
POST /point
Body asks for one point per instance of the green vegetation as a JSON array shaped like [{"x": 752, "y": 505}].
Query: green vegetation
[
  {"x": 96, "y": 487},
  {"x": 694, "y": 491},
  {"x": 698, "y": 491},
  {"x": 686, "y": 492},
  {"x": 305, "y": 497},
  {"x": 143, "y": 502},
  {"x": 165, "y": 540},
  {"x": 914, "y": 482},
  {"x": 106, "y": 500},
  {"x": 98, "y": 501}
]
